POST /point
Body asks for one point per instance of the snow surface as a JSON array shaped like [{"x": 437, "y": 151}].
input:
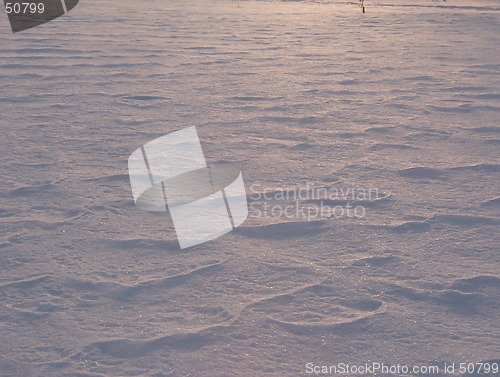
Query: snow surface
[{"x": 404, "y": 98}]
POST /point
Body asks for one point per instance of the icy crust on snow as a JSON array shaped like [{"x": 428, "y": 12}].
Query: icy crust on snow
[{"x": 404, "y": 98}]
